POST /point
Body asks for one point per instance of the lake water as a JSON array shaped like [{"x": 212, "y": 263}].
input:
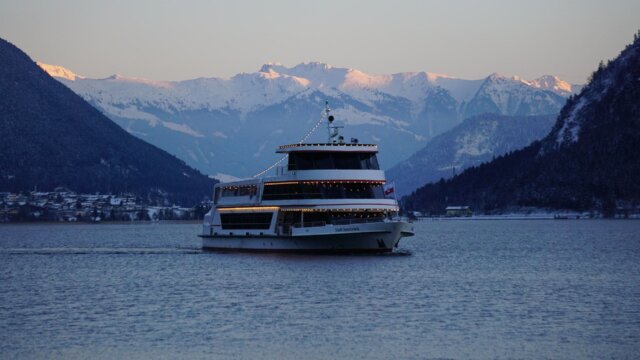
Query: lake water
[{"x": 459, "y": 289}]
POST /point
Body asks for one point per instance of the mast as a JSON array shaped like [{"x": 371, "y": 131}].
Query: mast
[
  {"x": 333, "y": 130},
  {"x": 327, "y": 110}
]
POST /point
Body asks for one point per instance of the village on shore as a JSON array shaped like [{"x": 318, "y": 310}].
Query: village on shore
[{"x": 63, "y": 205}]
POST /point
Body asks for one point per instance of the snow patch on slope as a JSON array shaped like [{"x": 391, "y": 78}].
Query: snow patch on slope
[
  {"x": 476, "y": 143},
  {"x": 571, "y": 127},
  {"x": 131, "y": 112},
  {"x": 220, "y": 134},
  {"x": 185, "y": 129},
  {"x": 352, "y": 116}
]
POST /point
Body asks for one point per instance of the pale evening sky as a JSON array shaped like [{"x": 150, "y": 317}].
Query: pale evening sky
[{"x": 176, "y": 40}]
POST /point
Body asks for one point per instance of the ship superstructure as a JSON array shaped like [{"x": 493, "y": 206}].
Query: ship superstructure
[{"x": 328, "y": 198}]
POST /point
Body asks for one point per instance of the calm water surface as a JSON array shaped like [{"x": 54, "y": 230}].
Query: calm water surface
[{"x": 460, "y": 289}]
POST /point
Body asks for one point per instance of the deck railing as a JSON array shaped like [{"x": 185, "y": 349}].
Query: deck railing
[{"x": 309, "y": 224}]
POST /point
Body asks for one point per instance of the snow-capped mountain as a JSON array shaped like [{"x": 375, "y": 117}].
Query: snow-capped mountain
[
  {"x": 476, "y": 140},
  {"x": 231, "y": 125}
]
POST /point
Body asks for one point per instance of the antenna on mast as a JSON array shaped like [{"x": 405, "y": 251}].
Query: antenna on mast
[
  {"x": 330, "y": 118},
  {"x": 333, "y": 130}
]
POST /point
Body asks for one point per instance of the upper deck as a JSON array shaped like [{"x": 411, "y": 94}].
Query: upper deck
[
  {"x": 333, "y": 174},
  {"x": 328, "y": 147}
]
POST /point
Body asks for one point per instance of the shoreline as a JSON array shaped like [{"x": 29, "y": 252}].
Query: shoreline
[{"x": 521, "y": 217}]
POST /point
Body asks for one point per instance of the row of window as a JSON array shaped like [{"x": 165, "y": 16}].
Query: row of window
[
  {"x": 322, "y": 191},
  {"x": 239, "y": 191},
  {"x": 322, "y": 218},
  {"x": 307, "y": 191},
  {"x": 262, "y": 221},
  {"x": 250, "y": 191}
]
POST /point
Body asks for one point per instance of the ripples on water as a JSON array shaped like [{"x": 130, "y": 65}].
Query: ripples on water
[{"x": 460, "y": 289}]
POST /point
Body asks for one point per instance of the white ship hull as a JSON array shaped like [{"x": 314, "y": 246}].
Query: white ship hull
[{"x": 378, "y": 237}]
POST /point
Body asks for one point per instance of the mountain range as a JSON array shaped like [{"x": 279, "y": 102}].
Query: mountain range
[
  {"x": 588, "y": 161},
  {"x": 51, "y": 138},
  {"x": 231, "y": 125}
]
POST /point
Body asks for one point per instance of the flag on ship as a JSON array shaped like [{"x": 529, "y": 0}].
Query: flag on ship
[{"x": 389, "y": 189}]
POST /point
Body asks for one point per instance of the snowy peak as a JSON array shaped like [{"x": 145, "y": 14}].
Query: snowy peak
[
  {"x": 59, "y": 72},
  {"x": 546, "y": 82},
  {"x": 305, "y": 70},
  {"x": 552, "y": 83},
  {"x": 137, "y": 80},
  {"x": 499, "y": 81},
  {"x": 270, "y": 66},
  {"x": 268, "y": 73},
  {"x": 317, "y": 74},
  {"x": 314, "y": 66}
]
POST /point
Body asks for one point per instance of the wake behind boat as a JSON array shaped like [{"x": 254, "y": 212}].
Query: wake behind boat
[{"x": 328, "y": 198}]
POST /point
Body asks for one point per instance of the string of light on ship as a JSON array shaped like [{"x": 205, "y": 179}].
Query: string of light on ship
[
  {"x": 308, "y": 182},
  {"x": 274, "y": 208},
  {"x": 335, "y": 210},
  {"x": 316, "y": 182},
  {"x": 236, "y": 187},
  {"x": 326, "y": 144}
]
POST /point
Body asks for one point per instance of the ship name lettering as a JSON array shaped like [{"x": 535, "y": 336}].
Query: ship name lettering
[{"x": 352, "y": 228}]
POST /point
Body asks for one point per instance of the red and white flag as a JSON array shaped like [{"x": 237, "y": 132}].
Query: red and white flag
[{"x": 389, "y": 189}]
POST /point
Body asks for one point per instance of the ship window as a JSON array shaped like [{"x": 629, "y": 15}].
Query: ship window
[
  {"x": 216, "y": 196},
  {"x": 369, "y": 162},
  {"x": 260, "y": 220},
  {"x": 347, "y": 161},
  {"x": 245, "y": 190},
  {"x": 333, "y": 160},
  {"x": 226, "y": 192}
]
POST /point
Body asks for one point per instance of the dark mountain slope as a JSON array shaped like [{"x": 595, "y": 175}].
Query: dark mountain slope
[
  {"x": 51, "y": 137},
  {"x": 588, "y": 161}
]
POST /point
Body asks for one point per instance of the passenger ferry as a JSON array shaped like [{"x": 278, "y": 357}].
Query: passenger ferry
[{"x": 328, "y": 198}]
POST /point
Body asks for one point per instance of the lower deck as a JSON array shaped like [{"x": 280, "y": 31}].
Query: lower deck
[{"x": 356, "y": 238}]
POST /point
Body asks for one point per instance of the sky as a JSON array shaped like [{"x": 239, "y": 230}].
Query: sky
[{"x": 177, "y": 40}]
